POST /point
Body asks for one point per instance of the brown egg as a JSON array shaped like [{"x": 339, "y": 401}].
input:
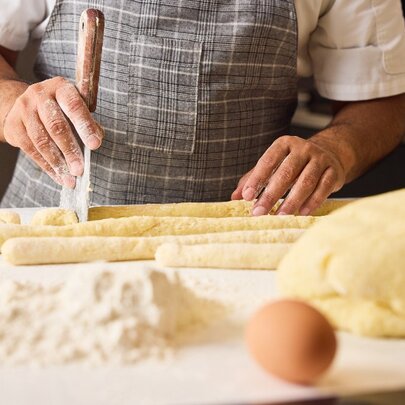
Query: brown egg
[{"x": 291, "y": 340}]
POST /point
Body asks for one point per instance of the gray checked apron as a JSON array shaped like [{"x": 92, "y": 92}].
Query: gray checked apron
[{"x": 191, "y": 94}]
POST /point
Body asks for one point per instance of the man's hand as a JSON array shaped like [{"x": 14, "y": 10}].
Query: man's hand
[
  {"x": 360, "y": 134},
  {"x": 307, "y": 169},
  {"x": 40, "y": 123}
]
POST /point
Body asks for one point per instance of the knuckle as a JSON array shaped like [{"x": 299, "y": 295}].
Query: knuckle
[
  {"x": 330, "y": 178},
  {"x": 27, "y": 147},
  {"x": 329, "y": 182},
  {"x": 286, "y": 173},
  {"x": 59, "y": 81},
  {"x": 307, "y": 148},
  {"x": 41, "y": 141},
  {"x": 309, "y": 181},
  {"x": 57, "y": 127},
  {"x": 74, "y": 103},
  {"x": 22, "y": 103},
  {"x": 282, "y": 141},
  {"x": 35, "y": 89},
  {"x": 266, "y": 159},
  {"x": 72, "y": 152}
]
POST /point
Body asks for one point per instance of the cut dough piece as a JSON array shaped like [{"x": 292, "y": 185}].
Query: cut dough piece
[
  {"x": 55, "y": 217},
  {"x": 222, "y": 255},
  {"x": 355, "y": 254},
  {"x": 238, "y": 208},
  {"x": 27, "y": 251},
  {"x": 157, "y": 226},
  {"x": 9, "y": 217}
]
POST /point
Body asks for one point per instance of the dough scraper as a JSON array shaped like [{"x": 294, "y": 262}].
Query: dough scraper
[{"x": 91, "y": 32}]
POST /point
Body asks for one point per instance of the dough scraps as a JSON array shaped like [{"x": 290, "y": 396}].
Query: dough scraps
[
  {"x": 55, "y": 217},
  {"x": 9, "y": 217}
]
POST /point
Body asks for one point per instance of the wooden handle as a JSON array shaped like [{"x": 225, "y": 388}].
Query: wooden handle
[{"x": 91, "y": 32}]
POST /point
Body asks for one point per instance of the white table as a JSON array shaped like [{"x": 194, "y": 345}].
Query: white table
[{"x": 216, "y": 369}]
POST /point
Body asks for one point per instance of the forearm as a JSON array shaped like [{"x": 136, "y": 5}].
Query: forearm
[
  {"x": 11, "y": 87},
  {"x": 362, "y": 133}
]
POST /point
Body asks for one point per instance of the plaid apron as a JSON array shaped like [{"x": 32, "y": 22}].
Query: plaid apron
[{"x": 191, "y": 94}]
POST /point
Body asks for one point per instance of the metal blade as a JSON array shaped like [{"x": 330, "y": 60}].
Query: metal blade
[{"x": 78, "y": 198}]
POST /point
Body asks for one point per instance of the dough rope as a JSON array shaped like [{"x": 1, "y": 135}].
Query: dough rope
[
  {"x": 239, "y": 208},
  {"x": 45, "y": 250},
  {"x": 222, "y": 255},
  {"x": 156, "y": 226}
]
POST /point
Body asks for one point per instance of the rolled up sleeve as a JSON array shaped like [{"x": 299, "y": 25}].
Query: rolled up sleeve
[
  {"x": 357, "y": 50},
  {"x": 18, "y": 18}
]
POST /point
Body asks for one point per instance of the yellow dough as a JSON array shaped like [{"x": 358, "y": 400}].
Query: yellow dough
[
  {"x": 352, "y": 266},
  {"x": 9, "y": 217},
  {"x": 23, "y": 251},
  {"x": 54, "y": 216},
  {"x": 238, "y": 208},
  {"x": 222, "y": 255},
  {"x": 157, "y": 226}
]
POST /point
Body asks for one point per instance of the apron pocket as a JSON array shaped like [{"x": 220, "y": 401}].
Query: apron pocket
[{"x": 163, "y": 91}]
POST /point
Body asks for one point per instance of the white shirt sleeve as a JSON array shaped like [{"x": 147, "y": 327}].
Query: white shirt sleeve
[
  {"x": 21, "y": 19},
  {"x": 357, "y": 50}
]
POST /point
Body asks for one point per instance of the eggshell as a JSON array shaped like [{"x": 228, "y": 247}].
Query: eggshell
[{"x": 291, "y": 340}]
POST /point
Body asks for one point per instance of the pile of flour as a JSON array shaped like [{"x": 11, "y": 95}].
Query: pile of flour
[{"x": 98, "y": 316}]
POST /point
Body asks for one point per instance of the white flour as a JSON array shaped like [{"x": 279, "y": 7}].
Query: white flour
[{"x": 98, "y": 316}]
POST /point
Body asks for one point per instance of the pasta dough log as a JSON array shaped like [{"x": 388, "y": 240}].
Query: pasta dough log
[
  {"x": 27, "y": 251},
  {"x": 238, "y": 208},
  {"x": 156, "y": 226},
  {"x": 55, "y": 217},
  {"x": 222, "y": 255},
  {"x": 9, "y": 217}
]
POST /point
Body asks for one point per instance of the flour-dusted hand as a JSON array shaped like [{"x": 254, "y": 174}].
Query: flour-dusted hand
[
  {"x": 308, "y": 170},
  {"x": 41, "y": 123}
]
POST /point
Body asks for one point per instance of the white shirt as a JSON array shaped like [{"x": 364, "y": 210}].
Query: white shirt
[{"x": 355, "y": 49}]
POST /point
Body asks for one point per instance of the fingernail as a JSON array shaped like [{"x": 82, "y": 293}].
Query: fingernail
[
  {"x": 76, "y": 168},
  {"x": 249, "y": 194},
  {"x": 259, "y": 211},
  {"x": 282, "y": 213},
  {"x": 305, "y": 211},
  {"x": 69, "y": 181},
  {"x": 93, "y": 142}
]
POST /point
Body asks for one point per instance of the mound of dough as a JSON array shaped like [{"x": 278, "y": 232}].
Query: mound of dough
[
  {"x": 55, "y": 217},
  {"x": 351, "y": 266}
]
